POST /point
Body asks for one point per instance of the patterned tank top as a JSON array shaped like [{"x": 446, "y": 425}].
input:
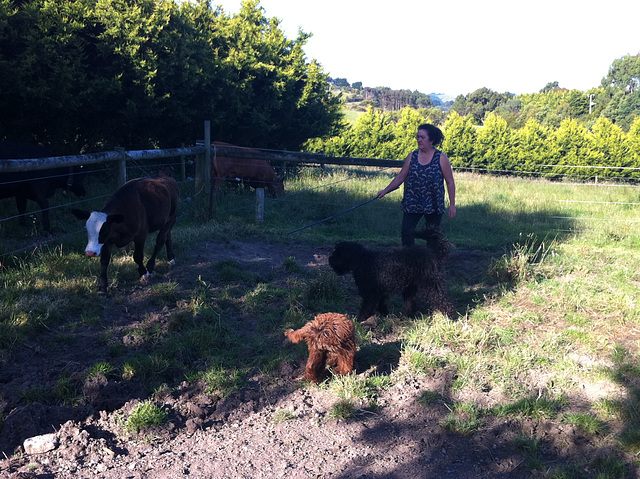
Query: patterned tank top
[{"x": 424, "y": 186}]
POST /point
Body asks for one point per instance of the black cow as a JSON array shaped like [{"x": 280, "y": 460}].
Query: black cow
[
  {"x": 138, "y": 208},
  {"x": 35, "y": 185}
]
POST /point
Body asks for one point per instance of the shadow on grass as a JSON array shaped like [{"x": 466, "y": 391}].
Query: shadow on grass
[{"x": 382, "y": 359}]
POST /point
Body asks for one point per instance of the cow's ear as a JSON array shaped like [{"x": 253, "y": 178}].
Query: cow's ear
[
  {"x": 81, "y": 214},
  {"x": 115, "y": 218}
]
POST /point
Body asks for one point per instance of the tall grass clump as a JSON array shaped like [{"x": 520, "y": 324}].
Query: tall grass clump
[
  {"x": 522, "y": 262},
  {"x": 146, "y": 414},
  {"x": 463, "y": 418}
]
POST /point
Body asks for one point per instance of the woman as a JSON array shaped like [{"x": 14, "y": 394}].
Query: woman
[{"x": 424, "y": 171}]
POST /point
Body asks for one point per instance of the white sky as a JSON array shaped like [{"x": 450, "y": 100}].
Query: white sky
[{"x": 457, "y": 46}]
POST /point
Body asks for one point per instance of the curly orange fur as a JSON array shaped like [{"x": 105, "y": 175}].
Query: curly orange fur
[{"x": 331, "y": 341}]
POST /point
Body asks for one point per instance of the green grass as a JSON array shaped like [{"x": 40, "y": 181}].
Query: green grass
[
  {"x": 533, "y": 407},
  {"x": 342, "y": 410},
  {"x": 360, "y": 391},
  {"x": 463, "y": 418},
  {"x": 145, "y": 415},
  {"x": 547, "y": 315},
  {"x": 282, "y": 415}
]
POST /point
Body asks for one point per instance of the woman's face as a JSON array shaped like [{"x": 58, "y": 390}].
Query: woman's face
[{"x": 423, "y": 139}]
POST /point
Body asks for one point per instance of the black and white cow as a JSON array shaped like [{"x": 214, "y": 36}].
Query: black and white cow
[
  {"x": 36, "y": 185},
  {"x": 139, "y": 207}
]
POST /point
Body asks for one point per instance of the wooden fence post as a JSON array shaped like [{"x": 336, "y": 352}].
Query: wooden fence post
[
  {"x": 121, "y": 177},
  {"x": 259, "y": 205},
  {"x": 207, "y": 158}
]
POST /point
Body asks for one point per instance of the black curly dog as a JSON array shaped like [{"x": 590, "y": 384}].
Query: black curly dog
[{"x": 415, "y": 271}]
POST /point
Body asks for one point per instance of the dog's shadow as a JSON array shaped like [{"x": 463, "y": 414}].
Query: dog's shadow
[{"x": 380, "y": 359}]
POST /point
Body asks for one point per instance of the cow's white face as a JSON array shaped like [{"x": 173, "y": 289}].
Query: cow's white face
[{"x": 94, "y": 224}]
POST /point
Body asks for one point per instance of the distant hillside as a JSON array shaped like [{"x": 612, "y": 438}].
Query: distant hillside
[
  {"x": 443, "y": 97},
  {"x": 359, "y": 97}
]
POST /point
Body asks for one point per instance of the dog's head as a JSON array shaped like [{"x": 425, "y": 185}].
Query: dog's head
[{"x": 345, "y": 256}]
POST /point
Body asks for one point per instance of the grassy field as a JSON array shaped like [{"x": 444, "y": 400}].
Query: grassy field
[{"x": 557, "y": 317}]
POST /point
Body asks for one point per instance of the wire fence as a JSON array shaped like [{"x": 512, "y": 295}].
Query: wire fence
[{"x": 189, "y": 201}]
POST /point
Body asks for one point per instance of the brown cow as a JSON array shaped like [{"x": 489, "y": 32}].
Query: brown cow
[
  {"x": 254, "y": 172},
  {"x": 138, "y": 208}
]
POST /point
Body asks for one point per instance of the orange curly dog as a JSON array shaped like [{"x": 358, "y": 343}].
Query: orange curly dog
[{"x": 331, "y": 340}]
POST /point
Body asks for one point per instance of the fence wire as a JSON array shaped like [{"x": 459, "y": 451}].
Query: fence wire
[{"x": 189, "y": 203}]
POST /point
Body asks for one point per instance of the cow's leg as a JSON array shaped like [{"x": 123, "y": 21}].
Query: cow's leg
[
  {"x": 105, "y": 258},
  {"x": 44, "y": 206},
  {"x": 164, "y": 237},
  {"x": 138, "y": 257},
  {"x": 21, "y": 204},
  {"x": 169, "y": 244}
]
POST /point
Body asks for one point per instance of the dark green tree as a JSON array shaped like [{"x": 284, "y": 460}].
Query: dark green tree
[
  {"x": 552, "y": 85},
  {"x": 624, "y": 74},
  {"x": 479, "y": 103},
  {"x": 86, "y": 76},
  {"x": 622, "y": 85},
  {"x": 460, "y": 105}
]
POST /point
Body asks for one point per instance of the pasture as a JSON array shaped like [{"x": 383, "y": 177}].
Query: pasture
[{"x": 544, "y": 278}]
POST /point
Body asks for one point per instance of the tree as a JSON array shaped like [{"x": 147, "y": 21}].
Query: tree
[
  {"x": 632, "y": 140},
  {"x": 552, "y": 85},
  {"x": 278, "y": 99},
  {"x": 494, "y": 145},
  {"x": 623, "y": 108},
  {"x": 92, "y": 74},
  {"x": 479, "y": 103},
  {"x": 531, "y": 147},
  {"x": 609, "y": 148},
  {"x": 460, "y": 105},
  {"x": 571, "y": 145},
  {"x": 374, "y": 135},
  {"x": 341, "y": 82},
  {"x": 406, "y": 129},
  {"x": 459, "y": 140},
  {"x": 624, "y": 74},
  {"x": 622, "y": 87}
]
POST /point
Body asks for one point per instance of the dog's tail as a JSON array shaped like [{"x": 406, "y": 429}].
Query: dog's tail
[{"x": 436, "y": 239}]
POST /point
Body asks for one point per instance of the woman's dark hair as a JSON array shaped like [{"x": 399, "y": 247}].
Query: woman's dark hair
[{"x": 435, "y": 134}]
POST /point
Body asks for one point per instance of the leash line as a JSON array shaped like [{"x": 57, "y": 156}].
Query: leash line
[{"x": 333, "y": 216}]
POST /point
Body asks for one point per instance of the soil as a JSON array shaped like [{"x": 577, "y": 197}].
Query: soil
[{"x": 240, "y": 436}]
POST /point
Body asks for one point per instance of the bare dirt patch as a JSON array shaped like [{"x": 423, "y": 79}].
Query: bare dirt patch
[{"x": 208, "y": 436}]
